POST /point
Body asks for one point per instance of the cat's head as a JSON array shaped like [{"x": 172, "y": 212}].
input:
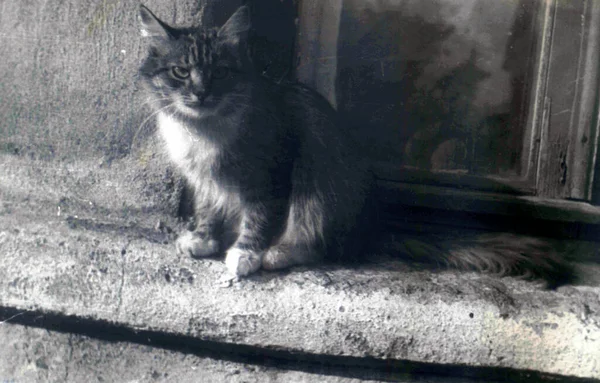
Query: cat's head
[{"x": 196, "y": 71}]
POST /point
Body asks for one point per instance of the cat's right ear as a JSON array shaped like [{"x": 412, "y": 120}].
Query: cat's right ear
[
  {"x": 150, "y": 25},
  {"x": 237, "y": 27}
]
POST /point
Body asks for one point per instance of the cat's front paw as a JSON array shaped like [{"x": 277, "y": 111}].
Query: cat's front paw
[
  {"x": 281, "y": 257},
  {"x": 196, "y": 245},
  {"x": 243, "y": 262},
  {"x": 276, "y": 258}
]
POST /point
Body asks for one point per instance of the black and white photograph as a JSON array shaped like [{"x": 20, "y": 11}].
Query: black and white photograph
[{"x": 336, "y": 191}]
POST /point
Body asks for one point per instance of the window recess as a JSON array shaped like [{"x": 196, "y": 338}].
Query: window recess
[{"x": 457, "y": 100}]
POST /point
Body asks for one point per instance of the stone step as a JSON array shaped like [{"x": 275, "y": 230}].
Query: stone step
[{"x": 75, "y": 251}]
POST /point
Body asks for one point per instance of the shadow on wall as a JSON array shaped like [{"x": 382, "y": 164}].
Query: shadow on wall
[{"x": 441, "y": 84}]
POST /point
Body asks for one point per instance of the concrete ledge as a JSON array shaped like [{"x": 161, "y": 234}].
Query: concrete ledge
[{"x": 72, "y": 247}]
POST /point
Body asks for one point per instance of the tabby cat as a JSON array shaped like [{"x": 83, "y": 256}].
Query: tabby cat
[{"x": 275, "y": 181}]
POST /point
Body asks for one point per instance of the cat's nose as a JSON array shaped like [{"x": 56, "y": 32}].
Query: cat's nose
[
  {"x": 199, "y": 95},
  {"x": 199, "y": 85},
  {"x": 200, "y": 90},
  {"x": 201, "y": 98}
]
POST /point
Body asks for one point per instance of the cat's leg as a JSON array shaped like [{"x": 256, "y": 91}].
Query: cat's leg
[
  {"x": 286, "y": 255},
  {"x": 303, "y": 240},
  {"x": 257, "y": 228},
  {"x": 203, "y": 240},
  {"x": 197, "y": 244}
]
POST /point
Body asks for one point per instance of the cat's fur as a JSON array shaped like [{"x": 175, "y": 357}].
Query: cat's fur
[{"x": 275, "y": 182}]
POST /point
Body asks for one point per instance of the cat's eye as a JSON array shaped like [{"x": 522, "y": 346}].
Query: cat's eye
[
  {"x": 180, "y": 73},
  {"x": 220, "y": 72}
]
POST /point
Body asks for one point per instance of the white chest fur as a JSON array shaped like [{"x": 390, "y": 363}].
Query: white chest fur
[
  {"x": 180, "y": 143},
  {"x": 195, "y": 156}
]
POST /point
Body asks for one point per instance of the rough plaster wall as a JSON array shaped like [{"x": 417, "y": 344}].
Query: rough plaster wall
[{"x": 68, "y": 74}]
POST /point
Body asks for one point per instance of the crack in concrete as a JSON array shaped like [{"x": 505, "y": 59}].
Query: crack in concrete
[
  {"x": 122, "y": 282},
  {"x": 13, "y": 317},
  {"x": 69, "y": 357}
]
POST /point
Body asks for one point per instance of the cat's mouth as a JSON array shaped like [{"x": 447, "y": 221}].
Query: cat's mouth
[
  {"x": 195, "y": 107},
  {"x": 203, "y": 103},
  {"x": 209, "y": 102}
]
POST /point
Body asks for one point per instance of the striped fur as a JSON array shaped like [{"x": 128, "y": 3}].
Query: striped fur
[{"x": 275, "y": 182}]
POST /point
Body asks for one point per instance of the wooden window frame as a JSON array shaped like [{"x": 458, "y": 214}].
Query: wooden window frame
[{"x": 559, "y": 164}]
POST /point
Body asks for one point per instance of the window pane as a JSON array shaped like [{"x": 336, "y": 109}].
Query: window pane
[{"x": 434, "y": 84}]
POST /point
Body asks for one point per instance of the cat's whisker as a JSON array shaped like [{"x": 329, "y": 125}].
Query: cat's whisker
[
  {"x": 149, "y": 102},
  {"x": 139, "y": 129}
]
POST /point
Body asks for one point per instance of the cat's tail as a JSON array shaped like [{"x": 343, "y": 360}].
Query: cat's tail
[{"x": 501, "y": 254}]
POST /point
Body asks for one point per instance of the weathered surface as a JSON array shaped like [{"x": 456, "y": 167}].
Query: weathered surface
[
  {"x": 68, "y": 74},
  {"x": 102, "y": 259}
]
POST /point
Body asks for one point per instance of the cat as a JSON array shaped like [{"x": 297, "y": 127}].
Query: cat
[{"x": 276, "y": 182}]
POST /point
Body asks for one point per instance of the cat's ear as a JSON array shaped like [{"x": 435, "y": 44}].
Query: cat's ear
[
  {"x": 237, "y": 27},
  {"x": 150, "y": 25}
]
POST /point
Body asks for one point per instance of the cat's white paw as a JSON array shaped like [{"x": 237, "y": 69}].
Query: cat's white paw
[
  {"x": 281, "y": 257},
  {"x": 242, "y": 262},
  {"x": 275, "y": 259},
  {"x": 196, "y": 245}
]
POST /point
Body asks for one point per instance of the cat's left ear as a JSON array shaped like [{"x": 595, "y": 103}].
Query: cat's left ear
[
  {"x": 152, "y": 26},
  {"x": 237, "y": 27}
]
